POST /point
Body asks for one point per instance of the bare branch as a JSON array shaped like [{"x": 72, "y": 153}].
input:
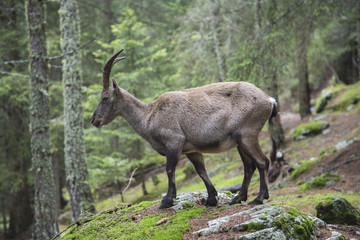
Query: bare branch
[{"x": 128, "y": 185}]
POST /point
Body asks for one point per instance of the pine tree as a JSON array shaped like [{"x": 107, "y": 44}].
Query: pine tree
[
  {"x": 45, "y": 225},
  {"x": 75, "y": 164}
]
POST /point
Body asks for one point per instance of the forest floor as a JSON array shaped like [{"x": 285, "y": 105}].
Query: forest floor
[{"x": 324, "y": 148}]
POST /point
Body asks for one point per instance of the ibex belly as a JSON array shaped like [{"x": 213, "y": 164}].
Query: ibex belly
[{"x": 210, "y": 146}]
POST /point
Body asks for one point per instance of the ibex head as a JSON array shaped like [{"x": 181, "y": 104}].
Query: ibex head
[{"x": 107, "y": 111}]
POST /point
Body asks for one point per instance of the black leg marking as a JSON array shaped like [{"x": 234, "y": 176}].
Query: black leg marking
[
  {"x": 197, "y": 160},
  {"x": 249, "y": 169},
  {"x": 171, "y": 162},
  {"x": 252, "y": 156}
]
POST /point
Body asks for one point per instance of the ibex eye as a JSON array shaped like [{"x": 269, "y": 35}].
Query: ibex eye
[{"x": 105, "y": 99}]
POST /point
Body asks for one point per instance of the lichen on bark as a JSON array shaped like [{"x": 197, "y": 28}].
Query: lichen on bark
[
  {"x": 45, "y": 212},
  {"x": 75, "y": 164}
]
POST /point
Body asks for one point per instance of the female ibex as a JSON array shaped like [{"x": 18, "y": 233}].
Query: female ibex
[{"x": 209, "y": 119}]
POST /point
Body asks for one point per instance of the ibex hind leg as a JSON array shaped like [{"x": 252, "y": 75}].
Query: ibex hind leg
[
  {"x": 250, "y": 149},
  {"x": 198, "y": 161},
  {"x": 249, "y": 168}
]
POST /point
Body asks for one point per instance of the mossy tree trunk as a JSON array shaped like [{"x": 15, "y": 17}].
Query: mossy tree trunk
[
  {"x": 75, "y": 164},
  {"x": 45, "y": 225}
]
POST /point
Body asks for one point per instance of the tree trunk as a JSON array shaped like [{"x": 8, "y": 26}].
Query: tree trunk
[
  {"x": 302, "y": 68},
  {"x": 358, "y": 42},
  {"x": 20, "y": 216},
  {"x": 217, "y": 44},
  {"x": 109, "y": 17},
  {"x": 3, "y": 213},
  {"x": 45, "y": 225},
  {"x": 278, "y": 132},
  {"x": 75, "y": 165}
]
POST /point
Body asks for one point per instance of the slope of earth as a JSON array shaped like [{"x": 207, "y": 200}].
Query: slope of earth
[{"x": 326, "y": 164}]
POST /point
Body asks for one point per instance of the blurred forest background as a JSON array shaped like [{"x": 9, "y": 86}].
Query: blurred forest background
[{"x": 290, "y": 49}]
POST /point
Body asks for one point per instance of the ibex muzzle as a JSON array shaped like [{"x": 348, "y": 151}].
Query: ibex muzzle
[{"x": 209, "y": 119}]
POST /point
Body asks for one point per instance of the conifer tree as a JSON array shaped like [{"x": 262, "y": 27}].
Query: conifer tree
[
  {"x": 75, "y": 164},
  {"x": 45, "y": 225}
]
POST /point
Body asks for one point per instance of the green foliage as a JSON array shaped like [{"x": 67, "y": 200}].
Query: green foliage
[{"x": 14, "y": 135}]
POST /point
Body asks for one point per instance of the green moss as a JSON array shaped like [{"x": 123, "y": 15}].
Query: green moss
[
  {"x": 304, "y": 168},
  {"x": 299, "y": 183},
  {"x": 320, "y": 181},
  {"x": 337, "y": 210},
  {"x": 350, "y": 96},
  {"x": 187, "y": 204},
  {"x": 309, "y": 129},
  {"x": 292, "y": 229},
  {"x": 325, "y": 96},
  {"x": 126, "y": 224},
  {"x": 254, "y": 226}
]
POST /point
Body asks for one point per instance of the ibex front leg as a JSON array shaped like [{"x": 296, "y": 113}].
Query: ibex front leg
[{"x": 172, "y": 158}]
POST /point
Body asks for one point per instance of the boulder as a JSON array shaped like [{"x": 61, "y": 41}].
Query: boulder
[
  {"x": 305, "y": 130},
  {"x": 266, "y": 222},
  {"x": 337, "y": 210}
]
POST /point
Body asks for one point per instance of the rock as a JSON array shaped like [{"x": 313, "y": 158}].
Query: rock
[
  {"x": 323, "y": 100},
  {"x": 267, "y": 222},
  {"x": 337, "y": 210},
  {"x": 305, "y": 130},
  {"x": 336, "y": 236},
  {"x": 343, "y": 144},
  {"x": 188, "y": 200}
]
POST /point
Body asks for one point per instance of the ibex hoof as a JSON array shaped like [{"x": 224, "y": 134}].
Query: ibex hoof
[
  {"x": 211, "y": 202},
  {"x": 166, "y": 204},
  {"x": 256, "y": 202}
]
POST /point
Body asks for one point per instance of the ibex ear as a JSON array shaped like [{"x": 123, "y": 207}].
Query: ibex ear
[{"x": 116, "y": 87}]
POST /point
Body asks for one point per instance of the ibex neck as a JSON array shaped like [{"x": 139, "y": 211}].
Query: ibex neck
[{"x": 134, "y": 111}]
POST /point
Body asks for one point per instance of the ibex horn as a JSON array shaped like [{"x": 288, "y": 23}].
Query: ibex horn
[{"x": 107, "y": 68}]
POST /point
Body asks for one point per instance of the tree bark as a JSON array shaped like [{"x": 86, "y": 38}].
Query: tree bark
[
  {"x": 45, "y": 225},
  {"x": 75, "y": 164},
  {"x": 278, "y": 132},
  {"x": 302, "y": 43},
  {"x": 216, "y": 42}
]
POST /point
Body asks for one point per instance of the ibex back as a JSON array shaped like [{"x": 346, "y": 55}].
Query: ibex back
[{"x": 209, "y": 119}]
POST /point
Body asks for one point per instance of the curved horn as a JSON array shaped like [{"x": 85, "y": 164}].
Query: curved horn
[{"x": 107, "y": 69}]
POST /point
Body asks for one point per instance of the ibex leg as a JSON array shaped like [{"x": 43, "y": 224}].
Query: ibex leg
[
  {"x": 249, "y": 168},
  {"x": 198, "y": 161},
  {"x": 172, "y": 158}
]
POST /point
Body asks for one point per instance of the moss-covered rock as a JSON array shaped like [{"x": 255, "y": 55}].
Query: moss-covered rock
[
  {"x": 305, "y": 130},
  {"x": 326, "y": 95},
  {"x": 325, "y": 179},
  {"x": 347, "y": 97},
  {"x": 267, "y": 222},
  {"x": 337, "y": 210}
]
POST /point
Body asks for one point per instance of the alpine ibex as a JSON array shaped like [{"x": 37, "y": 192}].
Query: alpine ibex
[{"x": 209, "y": 119}]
